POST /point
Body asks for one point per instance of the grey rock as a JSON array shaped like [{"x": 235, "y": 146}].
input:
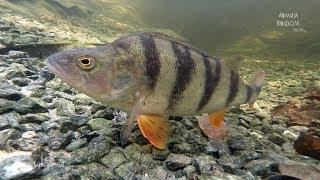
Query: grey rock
[
  {"x": 96, "y": 149},
  {"x": 177, "y": 161},
  {"x": 5, "y": 106},
  {"x": 61, "y": 141},
  {"x": 231, "y": 164},
  {"x": 288, "y": 147},
  {"x": 21, "y": 81},
  {"x": 27, "y": 105},
  {"x": 89, "y": 171},
  {"x": 126, "y": 171},
  {"x": 8, "y": 134},
  {"x": 277, "y": 139},
  {"x": 9, "y": 120},
  {"x": 114, "y": 159},
  {"x": 105, "y": 113},
  {"x": 207, "y": 165},
  {"x": 180, "y": 148},
  {"x": 159, "y": 172},
  {"x": 77, "y": 144},
  {"x": 249, "y": 155},
  {"x": 278, "y": 128},
  {"x": 33, "y": 118},
  {"x": 17, "y": 166},
  {"x": 49, "y": 125},
  {"x": 257, "y": 167},
  {"x": 216, "y": 148},
  {"x": 67, "y": 125},
  {"x": 10, "y": 94},
  {"x": 238, "y": 142},
  {"x": 64, "y": 107},
  {"x": 17, "y": 54},
  {"x": 99, "y": 123},
  {"x": 190, "y": 172},
  {"x": 30, "y": 127},
  {"x": 160, "y": 154},
  {"x": 79, "y": 120}
]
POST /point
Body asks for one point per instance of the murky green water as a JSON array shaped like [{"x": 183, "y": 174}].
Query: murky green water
[{"x": 282, "y": 29}]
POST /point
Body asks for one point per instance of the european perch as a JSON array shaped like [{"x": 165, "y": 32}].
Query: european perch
[{"x": 152, "y": 75}]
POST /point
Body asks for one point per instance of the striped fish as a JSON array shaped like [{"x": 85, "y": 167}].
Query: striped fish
[{"x": 152, "y": 75}]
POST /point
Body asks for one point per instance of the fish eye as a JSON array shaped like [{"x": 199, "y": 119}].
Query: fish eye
[{"x": 86, "y": 62}]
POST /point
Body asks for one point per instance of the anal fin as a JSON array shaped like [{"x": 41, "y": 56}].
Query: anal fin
[
  {"x": 217, "y": 118},
  {"x": 155, "y": 129}
]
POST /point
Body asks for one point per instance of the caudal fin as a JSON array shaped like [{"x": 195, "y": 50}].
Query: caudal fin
[{"x": 258, "y": 79}]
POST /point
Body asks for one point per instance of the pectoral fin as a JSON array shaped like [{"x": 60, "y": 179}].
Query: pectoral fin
[
  {"x": 217, "y": 118},
  {"x": 155, "y": 129}
]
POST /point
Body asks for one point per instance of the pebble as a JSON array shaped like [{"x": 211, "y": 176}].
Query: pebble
[
  {"x": 177, "y": 161},
  {"x": 205, "y": 164},
  {"x": 9, "y": 120},
  {"x": 77, "y": 144},
  {"x": 16, "y": 165},
  {"x": 21, "y": 81},
  {"x": 30, "y": 127},
  {"x": 114, "y": 159},
  {"x": 10, "y": 94},
  {"x": 257, "y": 167},
  {"x": 27, "y": 105},
  {"x": 5, "y": 106},
  {"x": 17, "y": 54},
  {"x": 230, "y": 164},
  {"x": 216, "y": 148}
]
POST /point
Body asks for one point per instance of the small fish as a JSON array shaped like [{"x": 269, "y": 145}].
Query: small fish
[{"x": 152, "y": 75}]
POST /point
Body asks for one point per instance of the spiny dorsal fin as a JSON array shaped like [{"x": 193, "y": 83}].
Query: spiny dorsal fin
[
  {"x": 233, "y": 62},
  {"x": 174, "y": 39}
]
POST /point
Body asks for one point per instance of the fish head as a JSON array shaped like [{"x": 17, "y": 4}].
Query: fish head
[{"x": 90, "y": 70}]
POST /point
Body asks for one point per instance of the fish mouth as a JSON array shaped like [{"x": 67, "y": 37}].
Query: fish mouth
[{"x": 54, "y": 68}]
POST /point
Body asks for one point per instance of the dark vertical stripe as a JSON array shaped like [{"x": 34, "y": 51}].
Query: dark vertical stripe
[
  {"x": 212, "y": 81},
  {"x": 249, "y": 93},
  {"x": 234, "y": 87},
  {"x": 152, "y": 60},
  {"x": 185, "y": 67}
]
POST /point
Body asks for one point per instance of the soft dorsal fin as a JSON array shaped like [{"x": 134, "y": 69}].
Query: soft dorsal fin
[
  {"x": 174, "y": 39},
  {"x": 233, "y": 62}
]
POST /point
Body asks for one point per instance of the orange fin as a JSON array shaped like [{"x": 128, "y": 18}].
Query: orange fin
[
  {"x": 217, "y": 118},
  {"x": 155, "y": 129}
]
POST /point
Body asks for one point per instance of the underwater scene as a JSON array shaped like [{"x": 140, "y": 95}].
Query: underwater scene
[{"x": 159, "y": 89}]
